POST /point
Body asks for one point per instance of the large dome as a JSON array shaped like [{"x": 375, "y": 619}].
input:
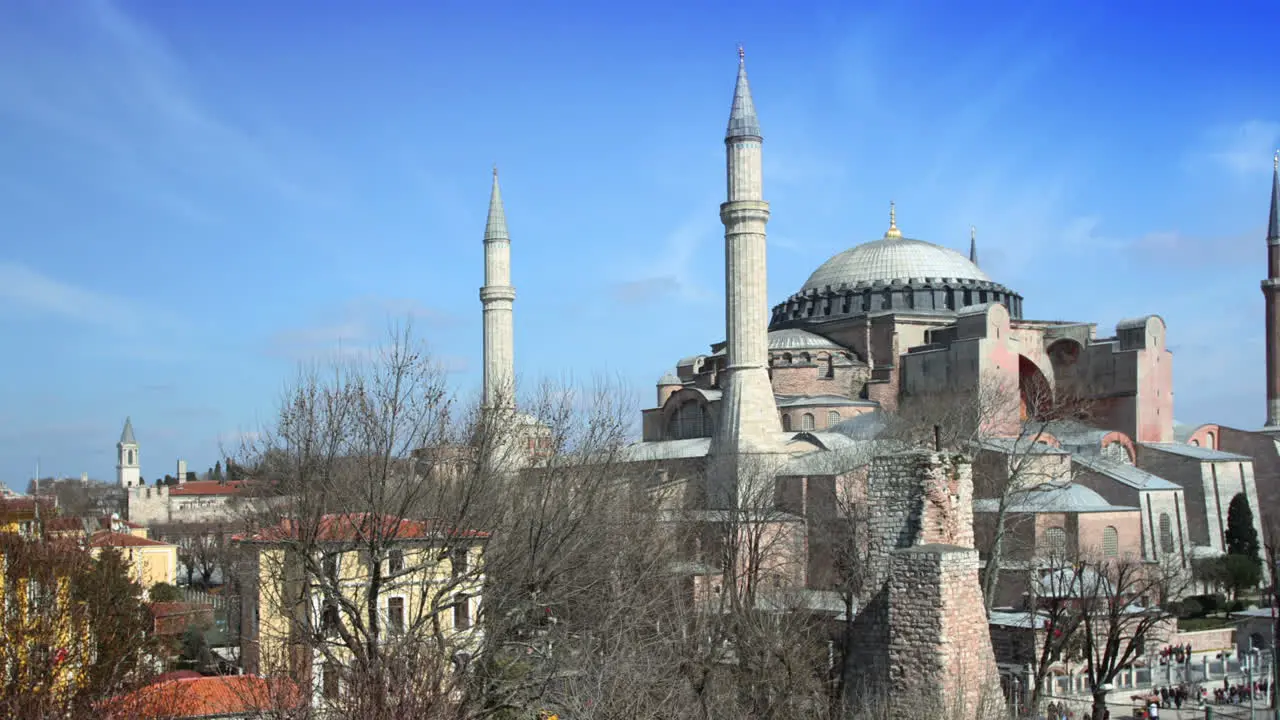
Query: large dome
[{"x": 893, "y": 258}]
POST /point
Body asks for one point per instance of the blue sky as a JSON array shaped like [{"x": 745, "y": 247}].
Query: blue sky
[{"x": 197, "y": 197}]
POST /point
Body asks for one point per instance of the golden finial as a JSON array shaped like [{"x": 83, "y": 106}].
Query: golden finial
[{"x": 893, "y": 231}]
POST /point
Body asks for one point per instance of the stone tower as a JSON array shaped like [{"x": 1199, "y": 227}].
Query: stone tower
[
  {"x": 1271, "y": 291},
  {"x": 749, "y": 416},
  {"x": 128, "y": 469},
  {"x": 497, "y": 296}
]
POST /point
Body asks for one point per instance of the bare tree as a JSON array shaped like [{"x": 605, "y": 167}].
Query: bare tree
[{"x": 1008, "y": 427}]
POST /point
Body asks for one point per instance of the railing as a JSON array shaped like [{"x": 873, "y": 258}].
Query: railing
[{"x": 194, "y": 595}]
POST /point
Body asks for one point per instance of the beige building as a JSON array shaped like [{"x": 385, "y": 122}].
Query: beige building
[
  {"x": 151, "y": 561},
  {"x": 433, "y": 577}
]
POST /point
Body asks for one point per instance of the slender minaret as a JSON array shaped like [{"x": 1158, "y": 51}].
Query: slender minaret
[
  {"x": 497, "y": 296},
  {"x": 749, "y": 416},
  {"x": 128, "y": 469},
  {"x": 1271, "y": 291},
  {"x": 973, "y": 245}
]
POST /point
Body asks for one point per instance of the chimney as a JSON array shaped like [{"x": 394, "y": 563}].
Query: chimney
[{"x": 182, "y": 471}]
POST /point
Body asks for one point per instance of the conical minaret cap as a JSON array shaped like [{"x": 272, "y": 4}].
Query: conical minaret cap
[
  {"x": 742, "y": 117},
  {"x": 1273, "y": 226},
  {"x": 126, "y": 435},
  {"x": 495, "y": 227},
  {"x": 973, "y": 245}
]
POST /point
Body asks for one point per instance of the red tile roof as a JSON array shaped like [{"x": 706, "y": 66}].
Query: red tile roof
[
  {"x": 207, "y": 487},
  {"x": 341, "y": 527},
  {"x": 106, "y": 538},
  {"x": 195, "y": 697}
]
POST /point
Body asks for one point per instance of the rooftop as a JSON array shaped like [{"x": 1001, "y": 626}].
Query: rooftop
[
  {"x": 1052, "y": 498},
  {"x": 1124, "y": 473},
  {"x": 106, "y": 538},
  {"x": 893, "y": 258},
  {"x": 346, "y": 527},
  {"x": 1197, "y": 452}
]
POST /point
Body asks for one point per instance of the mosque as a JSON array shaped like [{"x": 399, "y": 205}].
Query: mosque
[{"x": 897, "y": 319}]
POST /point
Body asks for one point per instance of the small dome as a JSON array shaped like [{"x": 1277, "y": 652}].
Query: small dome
[
  {"x": 670, "y": 378},
  {"x": 893, "y": 258},
  {"x": 796, "y": 339}
]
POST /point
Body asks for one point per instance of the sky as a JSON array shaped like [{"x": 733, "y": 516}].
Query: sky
[{"x": 196, "y": 199}]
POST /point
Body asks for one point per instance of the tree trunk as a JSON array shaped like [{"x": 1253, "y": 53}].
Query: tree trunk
[{"x": 1099, "y": 704}]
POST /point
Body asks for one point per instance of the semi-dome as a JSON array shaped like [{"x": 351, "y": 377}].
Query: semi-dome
[
  {"x": 893, "y": 258},
  {"x": 797, "y": 339}
]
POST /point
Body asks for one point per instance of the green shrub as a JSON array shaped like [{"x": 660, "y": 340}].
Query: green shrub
[{"x": 1190, "y": 608}]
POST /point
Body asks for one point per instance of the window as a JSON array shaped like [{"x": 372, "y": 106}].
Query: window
[
  {"x": 395, "y": 561},
  {"x": 459, "y": 562},
  {"x": 130, "y": 457},
  {"x": 329, "y": 680},
  {"x": 462, "y": 613},
  {"x": 329, "y": 620},
  {"x": 833, "y": 418},
  {"x": 1110, "y": 541},
  {"x": 395, "y": 615},
  {"x": 690, "y": 420},
  {"x": 786, "y": 422},
  {"x": 1166, "y": 533},
  {"x": 1055, "y": 540},
  {"x": 806, "y": 421}
]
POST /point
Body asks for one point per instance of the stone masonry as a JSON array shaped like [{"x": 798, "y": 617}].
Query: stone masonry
[{"x": 923, "y": 629}]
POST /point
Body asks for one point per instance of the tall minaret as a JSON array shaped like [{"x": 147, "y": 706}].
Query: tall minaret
[
  {"x": 497, "y": 296},
  {"x": 749, "y": 416},
  {"x": 128, "y": 470},
  {"x": 1271, "y": 291}
]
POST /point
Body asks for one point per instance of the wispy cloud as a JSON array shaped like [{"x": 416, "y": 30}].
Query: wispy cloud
[
  {"x": 354, "y": 329},
  {"x": 1245, "y": 148},
  {"x": 673, "y": 271},
  {"x": 25, "y": 290},
  {"x": 126, "y": 94}
]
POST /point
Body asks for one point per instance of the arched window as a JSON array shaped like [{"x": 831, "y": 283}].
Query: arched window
[
  {"x": 689, "y": 421},
  {"x": 833, "y": 418},
  {"x": 786, "y": 422},
  {"x": 1166, "y": 533},
  {"x": 1110, "y": 541},
  {"x": 1210, "y": 441},
  {"x": 1055, "y": 541},
  {"x": 1195, "y": 443},
  {"x": 806, "y": 421},
  {"x": 130, "y": 457}
]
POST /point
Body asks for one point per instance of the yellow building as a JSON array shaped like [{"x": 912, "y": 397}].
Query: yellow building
[
  {"x": 433, "y": 579},
  {"x": 150, "y": 561},
  {"x": 43, "y": 632}
]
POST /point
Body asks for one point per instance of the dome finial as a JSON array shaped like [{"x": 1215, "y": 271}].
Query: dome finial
[
  {"x": 893, "y": 231},
  {"x": 1275, "y": 161},
  {"x": 742, "y": 54}
]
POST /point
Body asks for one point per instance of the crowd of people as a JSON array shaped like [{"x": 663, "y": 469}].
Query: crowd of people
[
  {"x": 1175, "y": 653},
  {"x": 1239, "y": 692}
]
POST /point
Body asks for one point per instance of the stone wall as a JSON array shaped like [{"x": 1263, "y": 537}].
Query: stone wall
[
  {"x": 940, "y": 656},
  {"x": 922, "y": 636}
]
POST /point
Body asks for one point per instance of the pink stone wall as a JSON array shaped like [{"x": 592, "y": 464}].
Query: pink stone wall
[{"x": 1208, "y": 640}]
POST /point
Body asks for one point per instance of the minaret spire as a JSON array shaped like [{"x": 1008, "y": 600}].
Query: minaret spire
[
  {"x": 748, "y": 413},
  {"x": 498, "y": 297},
  {"x": 973, "y": 245},
  {"x": 1273, "y": 226},
  {"x": 1271, "y": 293}
]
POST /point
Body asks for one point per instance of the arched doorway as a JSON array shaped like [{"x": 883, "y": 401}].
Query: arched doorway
[{"x": 1035, "y": 395}]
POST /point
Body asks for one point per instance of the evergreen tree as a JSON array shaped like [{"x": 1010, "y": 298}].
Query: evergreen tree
[
  {"x": 217, "y": 470},
  {"x": 1242, "y": 537}
]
